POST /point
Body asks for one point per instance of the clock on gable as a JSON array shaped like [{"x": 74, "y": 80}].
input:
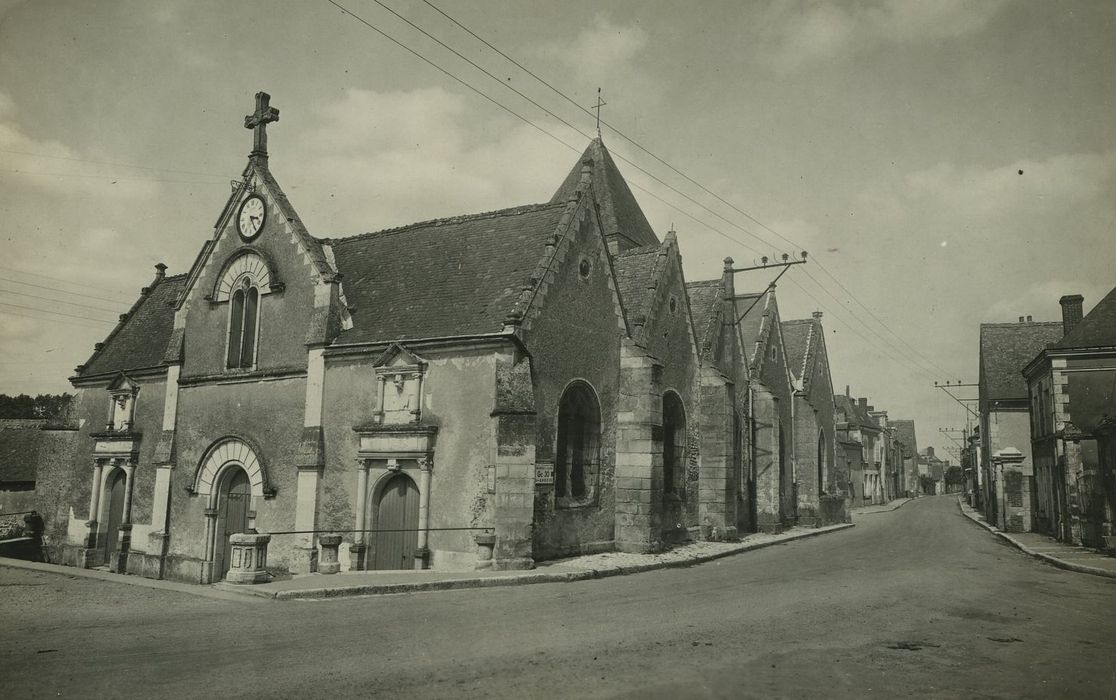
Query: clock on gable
[{"x": 250, "y": 219}]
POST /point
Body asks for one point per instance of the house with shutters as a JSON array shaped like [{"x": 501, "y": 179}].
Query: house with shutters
[
  {"x": 503, "y": 387},
  {"x": 1071, "y": 389},
  {"x": 1005, "y": 348}
]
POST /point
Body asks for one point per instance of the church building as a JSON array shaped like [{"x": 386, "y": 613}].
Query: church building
[{"x": 540, "y": 380}]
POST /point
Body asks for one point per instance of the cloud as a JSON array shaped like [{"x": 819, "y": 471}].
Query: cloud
[
  {"x": 802, "y": 32},
  {"x": 376, "y": 159},
  {"x": 51, "y": 166}
]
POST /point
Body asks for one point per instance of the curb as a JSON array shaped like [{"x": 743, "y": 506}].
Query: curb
[
  {"x": 1060, "y": 563},
  {"x": 901, "y": 503},
  {"x": 525, "y": 579},
  {"x": 126, "y": 579}
]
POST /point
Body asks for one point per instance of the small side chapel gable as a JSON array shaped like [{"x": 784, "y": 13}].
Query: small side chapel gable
[
  {"x": 651, "y": 292},
  {"x": 581, "y": 214}
]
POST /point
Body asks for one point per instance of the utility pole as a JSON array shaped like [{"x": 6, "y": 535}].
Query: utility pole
[{"x": 786, "y": 264}]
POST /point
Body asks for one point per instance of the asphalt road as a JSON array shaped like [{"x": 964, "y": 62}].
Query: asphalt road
[{"x": 916, "y": 602}]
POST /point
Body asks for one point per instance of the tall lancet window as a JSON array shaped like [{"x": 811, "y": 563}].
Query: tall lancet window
[
  {"x": 243, "y": 324},
  {"x": 577, "y": 458}
]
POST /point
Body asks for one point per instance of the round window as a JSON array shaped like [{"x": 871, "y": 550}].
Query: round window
[
  {"x": 584, "y": 268},
  {"x": 673, "y": 305}
]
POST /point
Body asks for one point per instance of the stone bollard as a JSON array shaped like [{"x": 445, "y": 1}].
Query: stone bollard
[
  {"x": 486, "y": 542},
  {"x": 329, "y": 563},
  {"x": 249, "y": 558}
]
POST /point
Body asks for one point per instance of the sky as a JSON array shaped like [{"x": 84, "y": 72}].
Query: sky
[{"x": 945, "y": 163}]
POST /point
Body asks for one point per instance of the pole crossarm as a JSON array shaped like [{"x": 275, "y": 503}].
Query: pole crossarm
[{"x": 786, "y": 265}]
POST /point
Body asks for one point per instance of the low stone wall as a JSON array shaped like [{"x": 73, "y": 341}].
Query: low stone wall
[{"x": 26, "y": 548}]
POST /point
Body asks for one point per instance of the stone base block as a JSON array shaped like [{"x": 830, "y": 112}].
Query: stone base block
[
  {"x": 513, "y": 564},
  {"x": 90, "y": 558}
]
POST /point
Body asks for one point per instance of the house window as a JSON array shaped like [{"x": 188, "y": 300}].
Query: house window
[
  {"x": 674, "y": 441},
  {"x": 579, "y": 438},
  {"x": 243, "y": 324}
]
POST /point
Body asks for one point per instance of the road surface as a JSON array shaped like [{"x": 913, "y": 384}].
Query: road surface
[{"x": 917, "y": 602}]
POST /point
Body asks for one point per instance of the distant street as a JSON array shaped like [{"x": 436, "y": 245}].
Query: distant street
[{"x": 916, "y": 602}]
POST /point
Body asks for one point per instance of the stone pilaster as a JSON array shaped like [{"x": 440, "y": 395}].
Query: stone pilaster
[
  {"x": 716, "y": 496},
  {"x": 639, "y": 452},
  {"x": 765, "y": 457},
  {"x": 515, "y": 491}
]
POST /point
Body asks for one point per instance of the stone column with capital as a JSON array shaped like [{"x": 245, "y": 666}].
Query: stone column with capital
[
  {"x": 422, "y": 552},
  {"x": 89, "y": 556},
  {"x": 358, "y": 560}
]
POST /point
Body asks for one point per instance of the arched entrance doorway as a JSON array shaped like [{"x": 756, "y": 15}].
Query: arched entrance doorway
[
  {"x": 114, "y": 518},
  {"x": 396, "y": 524},
  {"x": 233, "y": 497}
]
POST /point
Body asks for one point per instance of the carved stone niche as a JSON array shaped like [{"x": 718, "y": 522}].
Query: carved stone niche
[{"x": 400, "y": 376}]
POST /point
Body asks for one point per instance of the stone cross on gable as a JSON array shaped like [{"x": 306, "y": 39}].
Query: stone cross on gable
[{"x": 258, "y": 121}]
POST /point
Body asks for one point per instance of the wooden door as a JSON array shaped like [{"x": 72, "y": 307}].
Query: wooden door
[
  {"x": 397, "y": 524},
  {"x": 117, "y": 484},
  {"x": 232, "y": 517}
]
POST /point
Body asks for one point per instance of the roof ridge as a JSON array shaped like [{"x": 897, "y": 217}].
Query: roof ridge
[
  {"x": 1021, "y": 323},
  {"x": 639, "y": 250},
  {"x": 444, "y": 221},
  {"x": 705, "y": 283}
]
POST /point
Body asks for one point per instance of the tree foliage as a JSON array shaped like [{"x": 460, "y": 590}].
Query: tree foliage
[{"x": 39, "y": 406}]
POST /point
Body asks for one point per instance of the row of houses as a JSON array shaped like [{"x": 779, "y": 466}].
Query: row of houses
[
  {"x": 506, "y": 387},
  {"x": 1043, "y": 458}
]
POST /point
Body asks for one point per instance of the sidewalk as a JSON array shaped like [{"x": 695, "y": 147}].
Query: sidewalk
[
  {"x": 1065, "y": 556},
  {"x": 363, "y": 583},
  {"x": 882, "y": 508}
]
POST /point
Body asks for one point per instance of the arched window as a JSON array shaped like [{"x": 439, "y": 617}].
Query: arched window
[
  {"x": 243, "y": 326},
  {"x": 577, "y": 458},
  {"x": 674, "y": 441}
]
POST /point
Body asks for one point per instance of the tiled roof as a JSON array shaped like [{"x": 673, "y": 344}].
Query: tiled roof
[
  {"x": 796, "y": 343},
  {"x": 1005, "y": 348},
  {"x": 449, "y": 277},
  {"x": 1096, "y": 329},
  {"x": 856, "y": 416},
  {"x": 704, "y": 299},
  {"x": 140, "y": 341},
  {"x": 635, "y": 272},
  {"x": 756, "y": 324},
  {"x": 619, "y": 211}
]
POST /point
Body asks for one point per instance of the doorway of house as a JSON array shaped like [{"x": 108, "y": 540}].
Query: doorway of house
[
  {"x": 232, "y": 516},
  {"x": 397, "y": 521}
]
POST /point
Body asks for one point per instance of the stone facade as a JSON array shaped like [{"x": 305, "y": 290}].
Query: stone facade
[{"x": 487, "y": 390}]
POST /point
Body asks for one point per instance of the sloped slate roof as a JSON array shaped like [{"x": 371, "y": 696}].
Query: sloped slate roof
[
  {"x": 1096, "y": 329},
  {"x": 449, "y": 277},
  {"x": 619, "y": 211},
  {"x": 755, "y": 325},
  {"x": 704, "y": 298},
  {"x": 1005, "y": 348},
  {"x": 141, "y": 340},
  {"x": 796, "y": 343},
  {"x": 635, "y": 270},
  {"x": 856, "y": 416}
]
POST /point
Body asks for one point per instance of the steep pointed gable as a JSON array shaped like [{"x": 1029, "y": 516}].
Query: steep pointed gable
[
  {"x": 756, "y": 325},
  {"x": 460, "y": 276},
  {"x": 624, "y": 224},
  {"x": 796, "y": 341},
  {"x": 706, "y": 298}
]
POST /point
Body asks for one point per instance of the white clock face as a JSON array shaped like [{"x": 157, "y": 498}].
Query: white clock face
[{"x": 251, "y": 218}]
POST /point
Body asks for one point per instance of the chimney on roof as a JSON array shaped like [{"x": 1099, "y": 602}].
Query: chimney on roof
[
  {"x": 871, "y": 407},
  {"x": 728, "y": 282},
  {"x": 848, "y": 394},
  {"x": 1021, "y": 319},
  {"x": 863, "y": 401},
  {"x": 818, "y": 315},
  {"x": 160, "y": 271},
  {"x": 929, "y": 451},
  {"x": 1071, "y": 311},
  {"x": 1028, "y": 318}
]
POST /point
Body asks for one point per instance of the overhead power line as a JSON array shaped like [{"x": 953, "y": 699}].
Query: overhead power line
[
  {"x": 63, "y": 291},
  {"x": 563, "y": 142},
  {"x": 678, "y": 171},
  {"x": 106, "y": 162},
  {"x": 64, "y": 281},
  {"x": 56, "y": 313},
  {"x": 58, "y": 301}
]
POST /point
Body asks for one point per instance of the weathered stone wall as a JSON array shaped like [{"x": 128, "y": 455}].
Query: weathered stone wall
[
  {"x": 576, "y": 336},
  {"x": 458, "y": 397}
]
